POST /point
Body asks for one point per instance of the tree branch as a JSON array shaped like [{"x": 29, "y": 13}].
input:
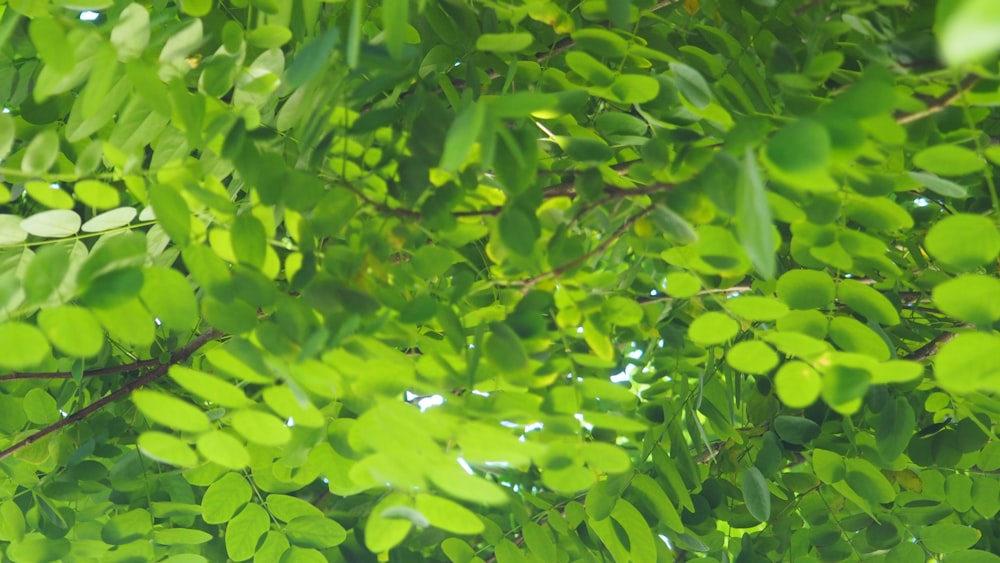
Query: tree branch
[
  {"x": 177, "y": 357},
  {"x": 931, "y": 348},
  {"x": 942, "y": 103},
  {"x": 112, "y": 370}
]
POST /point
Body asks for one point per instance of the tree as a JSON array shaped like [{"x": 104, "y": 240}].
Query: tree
[{"x": 499, "y": 280}]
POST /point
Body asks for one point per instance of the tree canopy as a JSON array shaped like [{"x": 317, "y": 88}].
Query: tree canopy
[{"x": 499, "y": 280}]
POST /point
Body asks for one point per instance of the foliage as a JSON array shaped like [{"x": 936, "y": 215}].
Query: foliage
[{"x": 499, "y": 280}]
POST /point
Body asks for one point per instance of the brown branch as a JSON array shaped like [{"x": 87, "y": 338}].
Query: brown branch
[
  {"x": 177, "y": 357},
  {"x": 112, "y": 370},
  {"x": 931, "y": 348},
  {"x": 941, "y": 104}
]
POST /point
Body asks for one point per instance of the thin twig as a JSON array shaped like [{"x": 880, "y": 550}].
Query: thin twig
[
  {"x": 942, "y": 104},
  {"x": 612, "y": 238},
  {"x": 177, "y": 357}
]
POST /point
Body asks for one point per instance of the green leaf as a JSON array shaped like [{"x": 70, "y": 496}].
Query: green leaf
[
  {"x": 878, "y": 214},
  {"x": 269, "y": 36},
  {"x": 940, "y": 186},
  {"x": 180, "y": 536},
  {"x": 673, "y": 225},
  {"x": 51, "y": 42},
  {"x": 315, "y": 531},
  {"x": 795, "y": 429},
  {"x": 12, "y": 524},
  {"x": 7, "y": 133},
  {"x": 601, "y": 42},
  {"x": 127, "y": 321},
  {"x": 653, "y": 495},
  {"x": 972, "y": 298},
  {"x": 692, "y": 84},
  {"x": 395, "y": 19},
  {"x": 894, "y": 428},
  {"x": 169, "y": 297},
  {"x": 385, "y": 531},
  {"x": 504, "y": 348},
  {"x": 36, "y": 547},
  {"x": 55, "y": 223},
  {"x": 504, "y": 42},
  {"x": 109, "y": 220},
  {"x": 311, "y": 58},
  {"x": 46, "y": 272},
  {"x": 244, "y": 532},
  {"x": 40, "y": 407},
  {"x": 127, "y": 527},
  {"x": 222, "y": 448},
  {"x": 949, "y": 160},
  {"x": 851, "y": 335},
  {"x": 967, "y": 363},
  {"x": 288, "y": 404},
  {"x": 963, "y": 242},
  {"x": 752, "y": 356},
  {"x": 989, "y": 457},
  {"x": 287, "y": 508},
  {"x": 585, "y": 149},
  {"x": 866, "y": 480},
  {"x": 249, "y": 240},
  {"x": 196, "y": 8},
  {"x": 946, "y": 538},
  {"x": 131, "y": 33},
  {"x": 968, "y": 32},
  {"x": 986, "y": 496},
  {"x": 712, "y": 328},
  {"x": 630, "y": 89},
  {"x": 24, "y": 346},
  {"x": 518, "y": 230},
  {"x": 606, "y": 458},
  {"x": 182, "y": 43},
  {"x": 683, "y": 284},
  {"x": 754, "y": 223},
  {"x": 448, "y": 515},
  {"x": 172, "y": 213},
  {"x": 224, "y": 498},
  {"x": 806, "y": 289},
  {"x": 122, "y": 252},
  {"x": 261, "y": 428},
  {"x": 462, "y": 136},
  {"x": 590, "y": 69},
  {"x": 11, "y": 232},
  {"x": 797, "y": 384},
  {"x": 802, "y": 147},
  {"x": 867, "y": 302},
  {"x": 871, "y": 96},
  {"x": 756, "y": 308},
  {"x": 166, "y": 448},
  {"x": 233, "y": 317},
  {"x": 96, "y": 194},
  {"x": 539, "y": 540},
  {"x": 971, "y": 556},
  {"x": 49, "y": 195},
  {"x": 829, "y": 466},
  {"x": 170, "y": 411},
  {"x": 756, "y": 494},
  {"x": 41, "y": 153},
  {"x": 210, "y": 388},
  {"x": 72, "y": 330}
]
